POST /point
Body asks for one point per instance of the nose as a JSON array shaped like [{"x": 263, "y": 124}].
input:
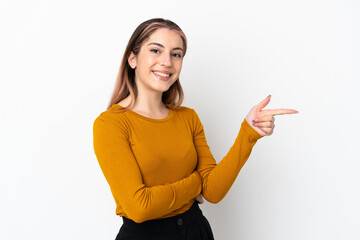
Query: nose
[{"x": 165, "y": 60}]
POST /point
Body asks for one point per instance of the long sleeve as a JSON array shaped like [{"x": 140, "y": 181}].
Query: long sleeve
[
  {"x": 217, "y": 179},
  {"x": 121, "y": 170}
]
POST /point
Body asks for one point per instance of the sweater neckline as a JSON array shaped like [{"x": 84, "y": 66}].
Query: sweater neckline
[{"x": 168, "y": 117}]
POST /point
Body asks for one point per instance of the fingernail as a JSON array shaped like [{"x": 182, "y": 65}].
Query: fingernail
[{"x": 297, "y": 111}]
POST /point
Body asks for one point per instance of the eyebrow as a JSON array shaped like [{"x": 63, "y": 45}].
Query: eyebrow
[{"x": 158, "y": 44}]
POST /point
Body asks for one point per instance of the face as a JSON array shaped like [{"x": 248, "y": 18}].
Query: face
[{"x": 158, "y": 64}]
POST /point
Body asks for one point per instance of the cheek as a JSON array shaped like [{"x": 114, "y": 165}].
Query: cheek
[
  {"x": 145, "y": 60},
  {"x": 150, "y": 60},
  {"x": 178, "y": 65}
]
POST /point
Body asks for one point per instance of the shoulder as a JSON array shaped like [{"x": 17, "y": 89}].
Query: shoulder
[
  {"x": 113, "y": 119},
  {"x": 186, "y": 112},
  {"x": 190, "y": 115}
]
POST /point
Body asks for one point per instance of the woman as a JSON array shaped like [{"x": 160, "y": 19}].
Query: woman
[{"x": 153, "y": 152}]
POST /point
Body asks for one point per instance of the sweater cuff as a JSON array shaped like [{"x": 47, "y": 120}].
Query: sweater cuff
[{"x": 253, "y": 134}]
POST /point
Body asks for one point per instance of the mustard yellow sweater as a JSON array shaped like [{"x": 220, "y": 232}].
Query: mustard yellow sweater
[{"x": 156, "y": 167}]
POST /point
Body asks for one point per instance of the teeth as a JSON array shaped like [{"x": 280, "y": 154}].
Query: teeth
[{"x": 162, "y": 74}]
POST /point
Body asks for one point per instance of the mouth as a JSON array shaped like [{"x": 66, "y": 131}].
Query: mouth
[{"x": 162, "y": 75}]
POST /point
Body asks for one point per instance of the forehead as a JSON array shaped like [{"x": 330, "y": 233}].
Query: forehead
[{"x": 166, "y": 37}]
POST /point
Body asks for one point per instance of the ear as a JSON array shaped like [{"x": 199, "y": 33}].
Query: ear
[{"x": 132, "y": 60}]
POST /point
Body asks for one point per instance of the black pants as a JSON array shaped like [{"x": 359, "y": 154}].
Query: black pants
[{"x": 190, "y": 225}]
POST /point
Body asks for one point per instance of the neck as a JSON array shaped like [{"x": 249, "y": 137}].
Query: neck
[{"x": 149, "y": 101}]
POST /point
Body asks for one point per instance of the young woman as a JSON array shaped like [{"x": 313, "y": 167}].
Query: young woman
[{"x": 153, "y": 151}]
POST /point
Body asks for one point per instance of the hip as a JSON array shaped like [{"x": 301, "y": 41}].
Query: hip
[{"x": 190, "y": 225}]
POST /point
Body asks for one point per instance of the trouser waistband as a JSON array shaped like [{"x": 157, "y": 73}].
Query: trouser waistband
[{"x": 170, "y": 223}]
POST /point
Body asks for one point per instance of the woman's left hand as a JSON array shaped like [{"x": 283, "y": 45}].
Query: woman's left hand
[{"x": 263, "y": 120}]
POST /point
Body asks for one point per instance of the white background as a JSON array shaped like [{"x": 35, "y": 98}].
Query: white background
[{"x": 59, "y": 61}]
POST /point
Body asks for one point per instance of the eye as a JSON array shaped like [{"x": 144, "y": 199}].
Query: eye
[
  {"x": 155, "y": 50},
  {"x": 177, "y": 55}
]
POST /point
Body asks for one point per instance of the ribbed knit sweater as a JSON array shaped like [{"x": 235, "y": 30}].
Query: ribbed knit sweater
[{"x": 156, "y": 167}]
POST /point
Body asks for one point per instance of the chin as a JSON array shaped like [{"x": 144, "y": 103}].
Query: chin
[{"x": 163, "y": 88}]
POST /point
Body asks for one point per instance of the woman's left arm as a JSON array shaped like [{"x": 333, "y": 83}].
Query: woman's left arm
[{"x": 217, "y": 179}]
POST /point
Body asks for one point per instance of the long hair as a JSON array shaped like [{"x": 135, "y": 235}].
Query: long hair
[{"x": 125, "y": 82}]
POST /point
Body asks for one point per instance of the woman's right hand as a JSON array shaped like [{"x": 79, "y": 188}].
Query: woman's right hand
[{"x": 199, "y": 199}]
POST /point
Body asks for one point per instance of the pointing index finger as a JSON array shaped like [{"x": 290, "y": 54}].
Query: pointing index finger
[{"x": 281, "y": 111}]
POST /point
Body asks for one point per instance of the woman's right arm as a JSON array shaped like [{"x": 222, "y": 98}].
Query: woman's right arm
[{"x": 122, "y": 173}]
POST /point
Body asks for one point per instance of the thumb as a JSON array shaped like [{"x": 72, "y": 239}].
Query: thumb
[{"x": 264, "y": 102}]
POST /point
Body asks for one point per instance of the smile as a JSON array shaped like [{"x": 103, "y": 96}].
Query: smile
[{"x": 162, "y": 74}]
